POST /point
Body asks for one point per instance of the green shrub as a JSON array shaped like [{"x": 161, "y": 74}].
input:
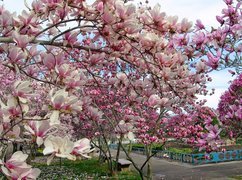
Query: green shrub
[
  {"x": 181, "y": 150},
  {"x": 239, "y": 141}
]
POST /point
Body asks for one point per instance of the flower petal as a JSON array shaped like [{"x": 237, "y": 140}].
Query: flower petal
[{"x": 54, "y": 118}]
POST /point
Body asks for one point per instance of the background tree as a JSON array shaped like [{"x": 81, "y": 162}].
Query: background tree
[{"x": 229, "y": 108}]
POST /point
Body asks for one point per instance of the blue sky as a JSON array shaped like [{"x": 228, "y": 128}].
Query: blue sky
[{"x": 205, "y": 10}]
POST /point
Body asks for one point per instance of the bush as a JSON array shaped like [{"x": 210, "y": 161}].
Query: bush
[{"x": 181, "y": 150}]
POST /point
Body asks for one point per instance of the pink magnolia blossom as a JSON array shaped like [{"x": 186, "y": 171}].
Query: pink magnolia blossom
[
  {"x": 220, "y": 20},
  {"x": 156, "y": 14},
  {"x": 148, "y": 40},
  {"x": 154, "y": 100},
  {"x": 211, "y": 140},
  {"x": 52, "y": 61},
  {"x": 185, "y": 25},
  {"x": 100, "y": 7},
  {"x": 16, "y": 167},
  {"x": 82, "y": 147},
  {"x": 199, "y": 25},
  {"x": 21, "y": 40},
  {"x": 201, "y": 67},
  {"x": 199, "y": 39},
  {"x": 39, "y": 129},
  {"x": 13, "y": 134},
  {"x": 70, "y": 38},
  {"x": 28, "y": 22},
  {"x": 16, "y": 55},
  {"x": 213, "y": 61},
  {"x": 122, "y": 79},
  {"x": 10, "y": 110},
  {"x": 108, "y": 16},
  {"x": 124, "y": 11},
  {"x": 5, "y": 20},
  {"x": 229, "y": 2},
  {"x": 230, "y": 106}
]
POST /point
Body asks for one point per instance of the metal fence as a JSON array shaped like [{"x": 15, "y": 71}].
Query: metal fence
[
  {"x": 215, "y": 157},
  {"x": 201, "y": 158}
]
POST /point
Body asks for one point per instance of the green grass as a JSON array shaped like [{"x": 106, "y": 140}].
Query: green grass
[
  {"x": 40, "y": 150},
  {"x": 90, "y": 166},
  {"x": 84, "y": 169},
  {"x": 128, "y": 175},
  {"x": 238, "y": 177},
  {"x": 154, "y": 146},
  {"x": 73, "y": 169}
]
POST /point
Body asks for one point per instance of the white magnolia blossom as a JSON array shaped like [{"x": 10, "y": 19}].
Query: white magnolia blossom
[
  {"x": 61, "y": 101},
  {"x": 22, "y": 88},
  {"x": 125, "y": 130},
  {"x": 59, "y": 147}
]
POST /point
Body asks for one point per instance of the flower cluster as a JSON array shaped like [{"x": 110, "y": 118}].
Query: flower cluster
[
  {"x": 230, "y": 106},
  {"x": 221, "y": 46},
  {"x": 65, "y": 148},
  {"x": 200, "y": 128}
]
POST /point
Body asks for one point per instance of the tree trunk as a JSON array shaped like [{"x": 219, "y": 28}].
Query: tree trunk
[
  {"x": 149, "y": 167},
  {"x": 118, "y": 153},
  {"x": 130, "y": 149}
]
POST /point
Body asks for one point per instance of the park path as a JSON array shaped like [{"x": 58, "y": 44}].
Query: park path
[{"x": 171, "y": 170}]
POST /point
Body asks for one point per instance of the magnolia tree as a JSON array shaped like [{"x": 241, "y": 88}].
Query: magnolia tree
[
  {"x": 230, "y": 106},
  {"x": 109, "y": 69},
  {"x": 221, "y": 46},
  {"x": 199, "y": 127}
]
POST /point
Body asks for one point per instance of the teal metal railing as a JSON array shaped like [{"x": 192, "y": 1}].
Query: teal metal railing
[
  {"x": 215, "y": 157},
  {"x": 200, "y": 158}
]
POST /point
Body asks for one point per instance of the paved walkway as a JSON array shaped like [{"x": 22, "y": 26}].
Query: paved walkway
[{"x": 172, "y": 170}]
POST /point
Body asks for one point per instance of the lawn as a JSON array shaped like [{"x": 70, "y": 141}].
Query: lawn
[
  {"x": 84, "y": 169},
  {"x": 89, "y": 169}
]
